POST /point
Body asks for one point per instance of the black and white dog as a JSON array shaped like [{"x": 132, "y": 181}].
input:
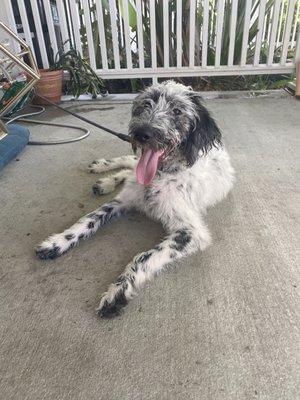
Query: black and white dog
[{"x": 183, "y": 169}]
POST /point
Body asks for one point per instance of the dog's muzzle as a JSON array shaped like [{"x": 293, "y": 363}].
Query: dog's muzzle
[{"x": 143, "y": 134}]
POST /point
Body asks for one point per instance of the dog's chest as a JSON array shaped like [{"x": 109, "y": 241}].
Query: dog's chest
[{"x": 165, "y": 196}]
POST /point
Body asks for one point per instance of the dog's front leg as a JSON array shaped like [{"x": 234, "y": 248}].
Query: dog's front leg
[
  {"x": 146, "y": 265},
  {"x": 59, "y": 243}
]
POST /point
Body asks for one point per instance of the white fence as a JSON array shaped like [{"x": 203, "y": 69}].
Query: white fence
[{"x": 161, "y": 38}]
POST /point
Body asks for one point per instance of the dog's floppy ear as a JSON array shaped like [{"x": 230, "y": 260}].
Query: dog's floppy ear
[{"x": 203, "y": 135}]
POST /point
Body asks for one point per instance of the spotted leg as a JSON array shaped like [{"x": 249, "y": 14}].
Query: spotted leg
[
  {"x": 146, "y": 265},
  {"x": 58, "y": 244}
]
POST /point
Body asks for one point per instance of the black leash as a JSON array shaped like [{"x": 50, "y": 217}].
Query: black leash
[{"x": 121, "y": 136}]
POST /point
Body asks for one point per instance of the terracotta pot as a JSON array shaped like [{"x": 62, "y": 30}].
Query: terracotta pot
[{"x": 49, "y": 86}]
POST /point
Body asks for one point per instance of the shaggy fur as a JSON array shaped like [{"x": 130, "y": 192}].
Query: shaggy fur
[{"x": 194, "y": 174}]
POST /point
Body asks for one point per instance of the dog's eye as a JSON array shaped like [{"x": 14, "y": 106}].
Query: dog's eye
[
  {"x": 147, "y": 104},
  {"x": 138, "y": 110},
  {"x": 176, "y": 111}
]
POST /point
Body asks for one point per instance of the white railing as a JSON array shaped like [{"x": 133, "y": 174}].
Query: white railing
[{"x": 161, "y": 38}]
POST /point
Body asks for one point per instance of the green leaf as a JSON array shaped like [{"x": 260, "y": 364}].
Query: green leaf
[{"x": 131, "y": 13}]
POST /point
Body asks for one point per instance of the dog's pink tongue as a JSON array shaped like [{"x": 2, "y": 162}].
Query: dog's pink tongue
[{"x": 147, "y": 166}]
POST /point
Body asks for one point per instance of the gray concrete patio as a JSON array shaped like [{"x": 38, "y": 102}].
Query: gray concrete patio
[{"x": 221, "y": 325}]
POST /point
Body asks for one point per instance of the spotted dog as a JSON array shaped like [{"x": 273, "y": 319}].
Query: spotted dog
[{"x": 183, "y": 169}]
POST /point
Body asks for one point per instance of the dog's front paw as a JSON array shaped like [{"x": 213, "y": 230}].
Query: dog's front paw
[
  {"x": 112, "y": 302},
  {"x": 104, "y": 186},
  {"x": 98, "y": 166},
  {"x": 45, "y": 252},
  {"x": 54, "y": 246}
]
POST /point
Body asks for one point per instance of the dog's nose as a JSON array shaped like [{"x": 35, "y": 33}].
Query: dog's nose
[{"x": 143, "y": 135}]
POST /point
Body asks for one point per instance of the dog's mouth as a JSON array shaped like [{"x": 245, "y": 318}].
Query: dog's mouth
[{"x": 148, "y": 164}]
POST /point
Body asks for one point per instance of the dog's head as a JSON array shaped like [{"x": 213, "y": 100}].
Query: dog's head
[{"x": 169, "y": 121}]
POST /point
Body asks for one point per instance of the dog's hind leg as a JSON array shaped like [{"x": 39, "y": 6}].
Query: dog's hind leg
[
  {"x": 103, "y": 165},
  {"x": 144, "y": 266},
  {"x": 58, "y": 244},
  {"x": 109, "y": 183}
]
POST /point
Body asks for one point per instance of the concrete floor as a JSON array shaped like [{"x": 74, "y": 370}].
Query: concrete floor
[{"x": 221, "y": 325}]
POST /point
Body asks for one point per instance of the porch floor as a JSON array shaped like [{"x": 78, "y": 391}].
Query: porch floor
[{"x": 223, "y": 324}]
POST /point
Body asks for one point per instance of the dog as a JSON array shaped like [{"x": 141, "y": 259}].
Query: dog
[{"x": 183, "y": 169}]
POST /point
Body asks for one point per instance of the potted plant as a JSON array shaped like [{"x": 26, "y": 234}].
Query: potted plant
[
  {"x": 80, "y": 77},
  {"x": 50, "y": 84}
]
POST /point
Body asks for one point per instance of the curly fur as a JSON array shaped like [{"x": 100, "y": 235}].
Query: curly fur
[{"x": 195, "y": 174}]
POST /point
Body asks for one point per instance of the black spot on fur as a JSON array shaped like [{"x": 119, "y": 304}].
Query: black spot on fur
[
  {"x": 97, "y": 190},
  {"x": 120, "y": 280},
  {"x": 44, "y": 253},
  {"x": 81, "y": 236},
  {"x": 155, "y": 95},
  {"x": 134, "y": 268},
  {"x": 143, "y": 257},
  {"x": 111, "y": 310},
  {"x": 131, "y": 279},
  {"x": 69, "y": 236},
  {"x": 107, "y": 209},
  {"x": 181, "y": 239},
  {"x": 147, "y": 194},
  {"x": 91, "y": 225}
]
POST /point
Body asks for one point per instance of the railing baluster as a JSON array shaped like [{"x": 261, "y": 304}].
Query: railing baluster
[
  {"x": 205, "y": 32},
  {"x": 39, "y": 33},
  {"x": 233, "y": 17},
  {"x": 295, "y": 24},
  {"x": 287, "y": 31},
  {"x": 12, "y": 24},
  {"x": 114, "y": 32},
  {"x": 153, "y": 34},
  {"x": 25, "y": 25},
  {"x": 192, "y": 33},
  {"x": 273, "y": 32},
  {"x": 179, "y": 32},
  {"x": 76, "y": 25},
  {"x": 140, "y": 33},
  {"x": 280, "y": 23},
  {"x": 220, "y": 18},
  {"x": 50, "y": 25},
  {"x": 246, "y": 32},
  {"x": 102, "y": 39},
  {"x": 166, "y": 33},
  {"x": 63, "y": 23},
  {"x": 261, "y": 20},
  {"x": 127, "y": 34},
  {"x": 89, "y": 33}
]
